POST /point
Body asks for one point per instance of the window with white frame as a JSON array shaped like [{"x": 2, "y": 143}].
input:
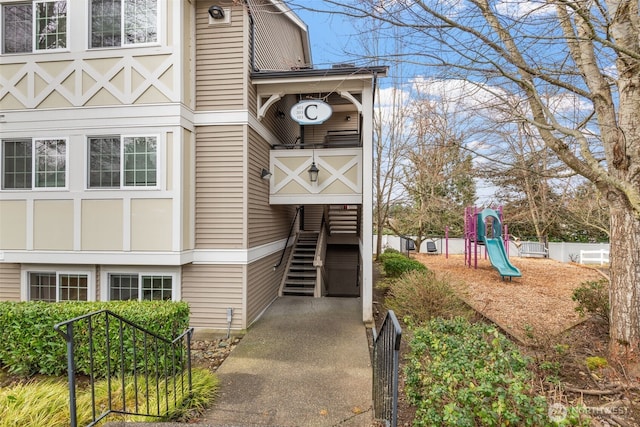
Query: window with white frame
[
  {"x": 34, "y": 26},
  {"x": 141, "y": 287},
  {"x": 56, "y": 286},
  {"x": 117, "y": 23},
  {"x": 34, "y": 163},
  {"x": 123, "y": 161}
]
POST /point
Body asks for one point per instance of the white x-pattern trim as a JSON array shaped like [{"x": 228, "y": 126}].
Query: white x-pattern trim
[
  {"x": 329, "y": 174},
  {"x": 42, "y": 81}
]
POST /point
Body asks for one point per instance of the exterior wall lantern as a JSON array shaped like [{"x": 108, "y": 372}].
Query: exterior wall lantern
[
  {"x": 216, "y": 12},
  {"x": 265, "y": 174},
  {"x": 313, "y": 172}
]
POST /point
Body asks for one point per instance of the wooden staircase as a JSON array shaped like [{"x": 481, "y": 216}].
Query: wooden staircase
[
  {"x": 300, "y": 278},
  {"x": 343, "y": 219}
]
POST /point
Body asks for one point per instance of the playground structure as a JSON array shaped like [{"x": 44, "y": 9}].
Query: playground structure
[{"x": 476, "y": 235}]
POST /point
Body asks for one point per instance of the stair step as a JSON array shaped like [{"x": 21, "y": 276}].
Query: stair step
[
  {"x": 301, "y": 276},
  {"x": 300, "y": 281},
  {"x": 298, "y": 291},
  {"x": 299, "y": 286}
]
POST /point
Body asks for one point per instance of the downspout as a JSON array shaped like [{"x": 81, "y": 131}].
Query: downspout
[{"x": 375, "y": 85}]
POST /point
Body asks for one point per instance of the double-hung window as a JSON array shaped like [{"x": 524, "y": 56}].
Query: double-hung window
[
  {"x": 140, "y": 287},
  {"x": 116, "y": 23},
  {"x": 55, "y": 286},
  {"x": 123, "y": 161},
  {"x": 34, "y": 26},
  {"x": 34, "y": 163}
]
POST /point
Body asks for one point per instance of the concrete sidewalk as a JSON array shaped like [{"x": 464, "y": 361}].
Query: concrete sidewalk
[{"x": 304, "y": 363}]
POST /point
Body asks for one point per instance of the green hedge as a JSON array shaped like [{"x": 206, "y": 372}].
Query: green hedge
[
  {"x": 396, "y": 264},
  {"x": 32, "y": 346}
]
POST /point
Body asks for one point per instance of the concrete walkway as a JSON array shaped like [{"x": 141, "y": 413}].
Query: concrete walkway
[{"x": 304, "y": 363}]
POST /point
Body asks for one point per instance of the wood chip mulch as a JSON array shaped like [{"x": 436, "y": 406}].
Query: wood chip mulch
[{"x": 533, "y": 307}]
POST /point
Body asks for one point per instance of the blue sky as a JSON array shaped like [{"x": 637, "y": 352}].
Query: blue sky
[{"x": 329, "y": 35}]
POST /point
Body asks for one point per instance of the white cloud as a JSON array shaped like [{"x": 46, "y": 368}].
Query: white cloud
[
  {"x": 463, "y": 93},
  {"x": 519, "y": 8},
  {"x": 388, "y": 96}
]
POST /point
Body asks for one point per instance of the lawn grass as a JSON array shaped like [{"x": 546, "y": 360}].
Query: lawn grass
[{"x": 44, "y": 402}]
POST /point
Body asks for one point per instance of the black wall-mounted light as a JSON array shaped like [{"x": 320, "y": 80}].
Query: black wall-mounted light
[
  {"x": 265, "y": 174},
  {"x": 216, "y": 12},
  {"x": 313, "y": 172}
]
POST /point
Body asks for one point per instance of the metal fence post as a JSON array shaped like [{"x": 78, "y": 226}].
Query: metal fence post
[{"x": 71, "y": 375}]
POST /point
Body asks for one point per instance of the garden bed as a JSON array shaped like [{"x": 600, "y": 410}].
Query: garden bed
[
  {"x": 538, "y": 312},
  {"x": 531, "y": 307}
]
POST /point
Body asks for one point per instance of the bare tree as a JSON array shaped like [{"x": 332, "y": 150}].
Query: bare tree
[
  {"x": 391, "y": 129},
  {"x": 390, "y": 139},
  {"x": 584, "y": 51},
  {"x": 586, "y": 214},
  {"x": 531, "y": 183},
  {"x": 437, "y": 175}
]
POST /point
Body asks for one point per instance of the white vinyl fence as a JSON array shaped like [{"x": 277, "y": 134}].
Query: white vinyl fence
[
  {"x": 559, "y": 251},
  {"x": 598, "y": 257}
]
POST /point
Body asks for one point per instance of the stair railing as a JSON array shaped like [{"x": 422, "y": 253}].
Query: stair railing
[
  {"x": 386, "y": 362},
  {"x": 318, "y": 261},
  {"x": 146, "y": 374},
  {"x": 286, "y": 244},
  {"x": 283, "y": 281}
]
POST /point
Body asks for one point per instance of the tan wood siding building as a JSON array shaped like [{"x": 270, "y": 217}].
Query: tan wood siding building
[
  {"x": 220, "y": 179},
  {"x": 221, "y": 56},
  {"x": 203, "y": 104},
  {"x": 263, "y": 281},
  {"x": 211, "y": 290},
  {"x": 9, "y": 282}
]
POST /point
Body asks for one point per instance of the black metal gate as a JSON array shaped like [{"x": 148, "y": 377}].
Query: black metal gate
[{"x": 136, "y": 363}]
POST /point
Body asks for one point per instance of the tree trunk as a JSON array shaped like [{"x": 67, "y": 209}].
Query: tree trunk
[
  {"x": 624, "y": 343},
  {"x": 379, "y": 226}
]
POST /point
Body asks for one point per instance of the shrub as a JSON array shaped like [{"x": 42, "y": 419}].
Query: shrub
[
  {"x": 466, "y": 374},
  {"x": 594, "y": 363},
  {"x": 593, "y": 298},
  {"x": 396, "y": 264},
  {"x": 421, "y": 296},
  {"x": 390, "y": 253},
  {"x": 45, "y": 402},
  {"x": 33, "y": 346}
]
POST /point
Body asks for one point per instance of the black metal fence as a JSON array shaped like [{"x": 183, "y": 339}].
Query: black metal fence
[
  {"x": 386, "y": 359},
  {"x": 145, "y": 374}
]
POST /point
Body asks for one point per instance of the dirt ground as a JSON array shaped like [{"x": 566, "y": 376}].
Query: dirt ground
[
  {"x": 537, "y": 311},
  {"x": 538, "y": 304}
]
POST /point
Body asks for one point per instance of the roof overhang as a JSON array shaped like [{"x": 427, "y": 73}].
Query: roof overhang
[
  {"x": 318, "y": 79},
  {"x": 346, "y": 81}
]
